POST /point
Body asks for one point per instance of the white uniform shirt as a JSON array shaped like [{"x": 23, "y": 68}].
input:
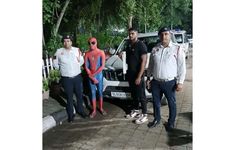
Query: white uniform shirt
[
  {"x": 69, "y": 62},
  {"x": 167, "y": 63}
]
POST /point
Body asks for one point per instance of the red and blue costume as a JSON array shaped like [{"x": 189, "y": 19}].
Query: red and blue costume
[{"x": 94, "y": 64}]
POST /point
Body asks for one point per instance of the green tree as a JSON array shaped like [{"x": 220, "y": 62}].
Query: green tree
[
  {"x": 53, "y": 12},
  {"x": 100, "y": 18},
  {"x": 177, "y": 13}
]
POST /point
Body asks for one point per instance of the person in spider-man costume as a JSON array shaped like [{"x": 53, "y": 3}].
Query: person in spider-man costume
[{"x": 94, "y": 64}]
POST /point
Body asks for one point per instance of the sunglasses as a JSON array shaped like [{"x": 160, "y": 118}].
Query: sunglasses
[{"x": 91, "y": 43}]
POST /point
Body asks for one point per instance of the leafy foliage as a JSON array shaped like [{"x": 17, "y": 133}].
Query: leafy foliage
[
  {"x": 45, "y": 84},
  {"x": 54, "y": 76},
  {"x": 104, "y": 41},
  {"x": 82, "y": 41},
  {"x": 53, "y": 44},
  {"x": 100, "y": 17}
]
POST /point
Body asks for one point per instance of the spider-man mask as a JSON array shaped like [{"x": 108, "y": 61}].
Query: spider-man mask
[{"x": 92, "y": 42}]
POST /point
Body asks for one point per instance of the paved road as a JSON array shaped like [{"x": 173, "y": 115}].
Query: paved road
[{"x": 115, "y": 132}]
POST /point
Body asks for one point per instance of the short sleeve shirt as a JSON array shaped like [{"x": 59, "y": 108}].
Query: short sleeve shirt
[{"x": 133, "y": 54}]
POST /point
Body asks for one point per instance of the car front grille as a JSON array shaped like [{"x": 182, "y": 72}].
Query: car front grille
[{"x": 114, "y": 75}]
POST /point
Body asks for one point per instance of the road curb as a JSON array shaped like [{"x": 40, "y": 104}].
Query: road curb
[{"x": 54, "y": 119}]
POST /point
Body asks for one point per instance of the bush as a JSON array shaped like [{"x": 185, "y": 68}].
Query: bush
[
  {"x": 45, "y": 84},
  {"x": 54, "y": 76}
]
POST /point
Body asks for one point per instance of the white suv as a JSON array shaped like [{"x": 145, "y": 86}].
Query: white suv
[
  {"x": 115, "y": 81},
  {"x": 115, "y": 84}
]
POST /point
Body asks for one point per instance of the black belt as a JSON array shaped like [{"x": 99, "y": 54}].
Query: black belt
[
  {"x": 164, "y": 80},
  {"x": 71, "y": 77}
]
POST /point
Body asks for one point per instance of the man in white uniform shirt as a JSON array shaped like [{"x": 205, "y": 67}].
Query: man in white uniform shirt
[
  {"x": 69, "y": 61},
  {"x": 168, "y": 68}
]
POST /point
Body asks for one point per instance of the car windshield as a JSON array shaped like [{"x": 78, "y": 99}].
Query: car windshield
[
  {"x": 149, "y": 41},
  {"x": 179, "y": 38}
]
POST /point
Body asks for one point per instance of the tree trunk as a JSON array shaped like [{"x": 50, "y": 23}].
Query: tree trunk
[
  {"x": 43, "y": 40},
  {"x": 60, "y": 17}
]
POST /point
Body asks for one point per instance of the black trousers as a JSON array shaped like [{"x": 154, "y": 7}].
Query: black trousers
[
  {"x": 138, "y": 93},
  {"x": 73, "y": 85}
]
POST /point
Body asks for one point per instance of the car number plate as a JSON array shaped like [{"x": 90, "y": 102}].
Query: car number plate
[{"x": 121, "y": 94}]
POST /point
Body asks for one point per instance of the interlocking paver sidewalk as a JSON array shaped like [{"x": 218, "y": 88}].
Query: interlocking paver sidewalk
[{"x": 51, "y": 106}]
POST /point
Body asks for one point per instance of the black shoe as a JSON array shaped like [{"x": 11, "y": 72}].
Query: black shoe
[
  {"x": 70, "y": 120},
  {"x": 83, "y": 115},
  {"x": 153, "y": 124},
  {"x": 103, "y": 112},
  {"x": 169, "y": 128}
]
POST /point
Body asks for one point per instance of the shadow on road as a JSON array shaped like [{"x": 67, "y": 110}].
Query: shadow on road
[
  {"x": 179, "y": 137},
  {"x": 57, "y": 94},
  {"x": 125, "y": 105},
  {"x": 187, "y": 115}
]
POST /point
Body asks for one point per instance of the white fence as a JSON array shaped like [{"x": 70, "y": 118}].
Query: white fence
[{"x": 47, "y": 65}]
